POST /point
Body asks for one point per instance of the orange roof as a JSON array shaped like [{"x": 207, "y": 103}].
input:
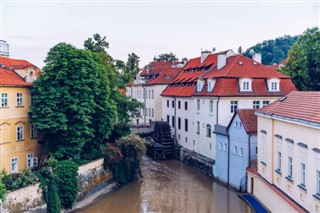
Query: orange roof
[
  {"x": 238, "y": 66},
  {"x": 248, "y": 119},
  {"x": 302, "y": 107},
  {"x": 10, "y": 78},
  {"x": 15, "y": 63}
]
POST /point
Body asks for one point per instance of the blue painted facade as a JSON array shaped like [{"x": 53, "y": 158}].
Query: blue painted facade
[{"x": 239, "y": 153}]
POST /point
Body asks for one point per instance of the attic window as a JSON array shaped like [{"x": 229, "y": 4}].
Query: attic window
[
  {"x": 254, "y": 63},
  {"x": 245, "y": 85},
  {"x": 182, "y": 85},
  {"x": 273, "y": 85},
  {"x": 171, "y": 85},
  {"x": 192, "y": 70},
  {"x": 240, "y": 62},
  {"x": 189, "y": 84},
  {"x": 199, "y": 69},
  {"x": 177, "y": 85},
  {"x": 167, "y": 76}
]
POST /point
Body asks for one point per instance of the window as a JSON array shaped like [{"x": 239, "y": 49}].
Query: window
[
  {"x": 14, "y": 165},
  {"x": 198, "y": 127},
  {"x": 209, "y": 86},
  {"x": 235, "y": 150},
  {"x": 179, "y": 123},
  {"x": 19, "y": 99},
  {"x": 198, "y": 104},
  {"x": 209, "y": 130},
  {"x": 152, "y": 112},
  {"x": 172, "y": 121},
  {"x": 29, "y": 160},
  {"x": 149, "y": 94},
  {"x": 33, "y": 131},
  {"x": 256, "y": 104},
  {"x": 264, "y": 148},
  {"x": 167, "y": 103},
  {"x": 168, "y": 118},
  {"x": 303, "y": 174},
  {"x": 186, "y": 125},
  {"x": 149, "y": 112},
  {"x": 172, "y": 103},
  {"x": 245, "y": 86},
  {"x": 152, "y": 94},
  {"x": 210, "y": 146},
  {"x": 179, "y": 104},
  {"x": 238, "y": 124},
  {"x": 20, "y": 133},
  {"x": 186, "y": 140},
  {"x": 279, "y": 161},
  {"x": 241, "y": 151},
  {"x": 4, "y": 99},
  {"x": 290, "y": 167},
  {"x": 318, "y": 182},
  {"x": 265, "y": 103},
  {"x": 211, "y": 106},
  {"x": 225, "y": 147},
  {"x": 186, "y": 105},
  {"x": 167, "y": 76},
  {"x": 220, "y": 146},
  {"x": 234, "y": 106},
  {"x": 274, "y": 86}
]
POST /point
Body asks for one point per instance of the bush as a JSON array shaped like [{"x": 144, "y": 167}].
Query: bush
[
  {"x": 132, "y": 148},
  {"x": 112, "y": 155},
  {"x": 16, "y": 181},
  {"x": 3, "y": 190}
]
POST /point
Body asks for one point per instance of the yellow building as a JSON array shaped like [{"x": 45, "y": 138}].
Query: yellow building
[
  {"x": 288, "y": 174},
  {"x": 19, "y": 148}
]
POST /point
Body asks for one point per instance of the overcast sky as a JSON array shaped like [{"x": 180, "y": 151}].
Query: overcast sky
[{"x": 149, "y": 28}]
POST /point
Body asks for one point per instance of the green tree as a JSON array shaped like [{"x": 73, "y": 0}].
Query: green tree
[
  {"x": 97, "y": 44},
  {"x": 133, "y": 63},
  {"x": 304, "y": 61},
  {"x": 3, "y": 190},
  {"x": 71, "y": 102},
  {"x": 273, "y": 50},
  {"x": 166, "y": 57}
]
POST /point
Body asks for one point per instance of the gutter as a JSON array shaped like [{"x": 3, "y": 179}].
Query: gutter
[
  {"x": 249, "y": 150},
  {"x": 217, "y": 111}
]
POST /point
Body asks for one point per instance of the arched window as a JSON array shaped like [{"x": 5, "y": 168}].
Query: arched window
[{"x": 209, "y": 130}]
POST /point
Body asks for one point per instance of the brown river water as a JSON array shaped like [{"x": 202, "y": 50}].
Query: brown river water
[{"x": 169, "y": 186}]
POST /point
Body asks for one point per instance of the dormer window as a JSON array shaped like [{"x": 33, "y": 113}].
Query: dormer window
[
  {"x": 246, "y": 85},
  {"x": 274, "y": 85},
  {"x": 199, "y": 85},
  {"x": 211, "y": 84},
  {"x": 167, "y": 76}
]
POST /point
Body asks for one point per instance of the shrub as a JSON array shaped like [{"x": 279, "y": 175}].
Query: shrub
[
  {"x": 132, "y": 148},
  {"x": 3, "y": 190},
  {"x": 112, "y": 155},
  {"x": 16, "y": 181}
]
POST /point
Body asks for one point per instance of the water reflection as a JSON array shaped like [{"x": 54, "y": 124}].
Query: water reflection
[{"x": 169, "y": 186}]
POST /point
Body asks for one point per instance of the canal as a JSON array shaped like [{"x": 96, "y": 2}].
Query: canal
[{"x": 167, "y": 187}]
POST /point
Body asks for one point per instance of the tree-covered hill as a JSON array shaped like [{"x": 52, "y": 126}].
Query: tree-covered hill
[{"x": 273, "y": 50}]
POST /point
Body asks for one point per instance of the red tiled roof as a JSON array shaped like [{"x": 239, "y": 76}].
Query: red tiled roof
[
  {"x": 10, "y": 78},
  {"x": 273, "y": 66},
  {"x": 285, "y": 61},
  {"x": 248, "y": 119},
  {"x": 227, "y": 84},
  {"x": 185, "y": 91},
  {"x": 15, "y": 63},
  {"x": 304, "y": 106}
]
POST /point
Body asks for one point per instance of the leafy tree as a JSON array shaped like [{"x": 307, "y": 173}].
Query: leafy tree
[
  {"x": 120, "y": 66},
  {"x": 304, "y": 61},
  {"x": 166, "y": 57},
  {"x": 274, "y": 50},
  {"x": 132, "y": 148},
  {"x": 3, "y": 190},
  {"x": 97, "y": 44},
  {"x": 71, "y": 106},
  {"x": 133, "y": 64}
]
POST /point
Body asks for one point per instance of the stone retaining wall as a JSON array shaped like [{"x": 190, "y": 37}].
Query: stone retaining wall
[{"x": 92, "y": 178}]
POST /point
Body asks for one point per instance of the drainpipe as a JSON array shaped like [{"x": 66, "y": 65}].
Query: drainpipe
[
  {"x": 145, "y": 103},
  {"x": 228, "y": 173},
  {"x": 272, "y": 155},
  {"x": 217, "y": 113},
  {"x": 249, "y": 150}
]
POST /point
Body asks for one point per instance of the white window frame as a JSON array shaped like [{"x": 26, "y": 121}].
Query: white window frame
[
  {"x": 256, "y": 104},
  {"x": 4, "y": 99},
  {"x": 279, "y": 155},
  {"x": 30, "y": 160},
  {"x": 19, "y": 99},
  {"x": 303, "y": 174},
  {"x": 265, "y": 103},
  {"x": 246, "y": 85},
  {"x": 274, "y": 85},
  {"x": 20, "y": 133},
  {"x": 233, "y": 106},
  {"x": 14, "y": 165},
  {"x": 198, "y": 127},
  {"x": 225, "y": 147},
  {"x": 235, "y": 150},
  {"x": 220, "y": 145},
  {"x": 240, "y": 151},
  {"x": 198, "y": 104},
  {"x": 290, "y": 167},
  {"x": 211, "y": 106}
]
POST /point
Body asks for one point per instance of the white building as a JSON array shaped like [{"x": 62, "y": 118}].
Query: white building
[
  {"x": 288, "y": 175},
  {"x": 148, "y": 86},
  {"x": 209, "y": 89}
]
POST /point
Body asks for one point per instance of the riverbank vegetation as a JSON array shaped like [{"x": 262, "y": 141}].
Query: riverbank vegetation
[{"x": 81, "y": 114}]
